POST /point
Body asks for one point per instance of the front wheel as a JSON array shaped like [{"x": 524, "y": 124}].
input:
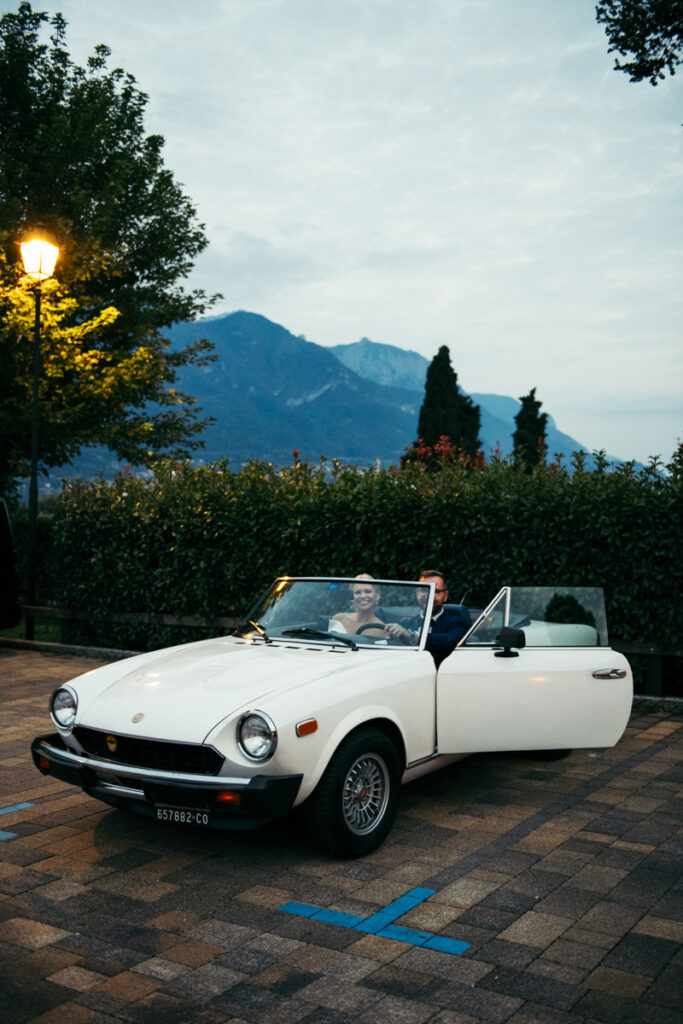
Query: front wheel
[{"x": 354, "y": 805}]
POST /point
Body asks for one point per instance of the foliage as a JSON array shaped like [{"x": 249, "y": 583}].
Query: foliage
[
  {"x": 207, "y": 541},
  {"x": 446, "y": 411},
  {"x": 650, "y": 32},
  {"x": 530, "y": 431},
  {"x": 442, "y": 452},
  {"x": 75, "y": 156}
]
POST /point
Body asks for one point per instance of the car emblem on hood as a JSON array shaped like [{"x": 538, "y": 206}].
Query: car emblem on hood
[
  {"x": 137, "y": 718},
  {"x": 111, "y": 743}
]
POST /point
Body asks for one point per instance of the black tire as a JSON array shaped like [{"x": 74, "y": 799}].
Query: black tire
[{"x": 354, "y": 805}]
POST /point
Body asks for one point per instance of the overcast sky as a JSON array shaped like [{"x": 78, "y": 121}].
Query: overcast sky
[{"x": 429, "y": 172}]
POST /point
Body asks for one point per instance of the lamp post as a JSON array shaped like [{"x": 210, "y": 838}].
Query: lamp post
[{"x": 39, "y": 252}]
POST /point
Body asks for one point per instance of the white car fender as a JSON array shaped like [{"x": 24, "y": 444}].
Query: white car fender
[{"x": 352, "y": 721}]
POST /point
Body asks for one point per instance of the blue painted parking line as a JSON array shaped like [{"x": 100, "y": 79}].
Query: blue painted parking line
[
  {"x": 14, "y": 807},
  {"x": 4, "y": 836},
  {"x": 381, "y": 922}
]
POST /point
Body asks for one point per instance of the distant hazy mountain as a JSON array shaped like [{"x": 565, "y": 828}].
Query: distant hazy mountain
[
  {"x": 271, "y": 392},
  {"x": 387, "y": 364}
]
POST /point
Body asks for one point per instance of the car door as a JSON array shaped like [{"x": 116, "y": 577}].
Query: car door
[{"x": 565, "y": 689}]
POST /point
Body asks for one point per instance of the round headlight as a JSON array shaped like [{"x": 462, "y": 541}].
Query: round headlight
[
  {"x": 256, "y": 736},
  {"x": 63, "y": 707}
]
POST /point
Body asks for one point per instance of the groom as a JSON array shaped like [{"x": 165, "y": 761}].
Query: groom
[{"x": 446, "y": 627}]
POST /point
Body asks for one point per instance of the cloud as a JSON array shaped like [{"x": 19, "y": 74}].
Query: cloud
[{"x": 428, "y": 172}]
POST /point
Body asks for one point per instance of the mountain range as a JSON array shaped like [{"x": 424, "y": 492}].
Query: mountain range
[{"x": 270, "y": 392}]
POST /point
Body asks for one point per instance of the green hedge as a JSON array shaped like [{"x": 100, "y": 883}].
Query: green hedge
[{"x": 207, "y": 541}]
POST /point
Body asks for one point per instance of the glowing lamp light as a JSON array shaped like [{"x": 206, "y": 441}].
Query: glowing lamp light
[{"x": 39, "y": 252}]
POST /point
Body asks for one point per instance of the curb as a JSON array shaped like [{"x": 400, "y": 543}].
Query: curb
[{"x": 103, "y": 653}]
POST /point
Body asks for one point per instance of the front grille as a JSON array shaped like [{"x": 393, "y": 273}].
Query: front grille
[{"x": 190, "y": 758}]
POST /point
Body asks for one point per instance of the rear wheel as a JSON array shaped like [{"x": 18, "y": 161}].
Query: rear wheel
[{"x": 355, "y": 802}]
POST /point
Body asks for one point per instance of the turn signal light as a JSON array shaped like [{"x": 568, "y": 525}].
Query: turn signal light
[
  {"x": 307, "y": 727},
  {"x": 229, "y": 797}
]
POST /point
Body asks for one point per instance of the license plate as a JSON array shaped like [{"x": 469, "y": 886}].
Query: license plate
[{"x": 181, "y": 816}]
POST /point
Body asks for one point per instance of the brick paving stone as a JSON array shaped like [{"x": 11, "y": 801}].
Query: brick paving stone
[
  {"x": 452, "y": 1017},
  {"x": 25, "y": 1002},
  {"x": 128, "y": 987},
  {"x": 566, "y": 902},
  {"x": 442, "y": 965},
  {"x": 641, "y": 954},
  {"x": 536, "y": 929},
  {"x": 667, "y": 989},
  {"x": 577, "y": 954},
  {"x": 597, "y": 879},
  {"x": 507, "y": 954},
  {"x": 534, "y": 988},
  {"x": 532, "y": 1013},
  {"x": 616, "y": 982},
  {"x": 45, "y": 961},
  {"x": 611, "y": 917},
  {"x": 70, "y": 1012},
  {"x": 484, "y": 1005},
  {"x": 31, "y": 934},
  {"x": 507, "y": 899},
  {"x": 397, "y": 980},
  {"x": 204, "y": 983},
  {"x": 77, "y": 978},
  {"x": 165, "y": 970},
  {"x": 486, "y": 917},
  {"x": 321, "y": 1015},
  {"x": 660, "y": 928},
  {"x": 192, "y": 954},
  {"x": 376, "y": 947},
  {"x": 558, "y": 972},
  {"x": 398, "y": 1011}
]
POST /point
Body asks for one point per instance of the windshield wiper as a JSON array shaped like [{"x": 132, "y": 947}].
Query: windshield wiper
[
  {"x": 249, "y": 624},
  {"x": 305, "y": 631}
]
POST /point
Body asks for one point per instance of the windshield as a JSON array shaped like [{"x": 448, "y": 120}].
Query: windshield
[{"x": 347, "y": 612}]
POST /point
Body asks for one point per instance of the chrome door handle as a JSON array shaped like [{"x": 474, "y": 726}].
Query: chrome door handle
[{"x": 609, "y": 673}]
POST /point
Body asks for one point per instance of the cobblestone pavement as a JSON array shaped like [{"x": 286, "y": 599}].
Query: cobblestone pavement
[{"x": 564, "y": 877}]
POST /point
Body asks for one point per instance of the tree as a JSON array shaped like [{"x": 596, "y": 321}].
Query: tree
[
  {"x": 446, "y": 411},
  {"x": 75, "y": 156},
  {"x": 649, "y": 31},
  {"x": 530, "y": 430}
]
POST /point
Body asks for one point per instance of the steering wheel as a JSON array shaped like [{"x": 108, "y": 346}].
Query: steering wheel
[{"x": 370, "y": 625}]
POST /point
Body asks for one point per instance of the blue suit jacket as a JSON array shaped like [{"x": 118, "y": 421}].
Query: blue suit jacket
[{"x": 444, "y": 633}]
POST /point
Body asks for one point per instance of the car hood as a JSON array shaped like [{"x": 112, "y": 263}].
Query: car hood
[{"x": 183, "y": 694}]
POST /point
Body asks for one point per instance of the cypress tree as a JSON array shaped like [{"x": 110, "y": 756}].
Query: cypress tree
[
  {"x": 446, "y": 411},
  {"x": 529, "y": 437}
]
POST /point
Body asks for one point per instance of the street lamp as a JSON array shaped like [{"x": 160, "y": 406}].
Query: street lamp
[{"x": 39, "y": 252}]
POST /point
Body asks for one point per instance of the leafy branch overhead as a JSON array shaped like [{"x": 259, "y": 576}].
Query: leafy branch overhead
[
  {"x": 76, "y": 157},
  {"x": 649, "y": 32}
]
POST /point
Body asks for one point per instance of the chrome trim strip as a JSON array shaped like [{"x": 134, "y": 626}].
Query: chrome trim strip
[
  {"x": 108, "y": 787},
  {"x": 422, "y": 760},
  {"x": 127, "y": 771}
]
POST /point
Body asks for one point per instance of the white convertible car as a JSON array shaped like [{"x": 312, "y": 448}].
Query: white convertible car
[{"x": 314, "y": 700}]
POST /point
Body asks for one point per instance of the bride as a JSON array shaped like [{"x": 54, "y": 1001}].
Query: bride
[{"x": 365, "y": 597}]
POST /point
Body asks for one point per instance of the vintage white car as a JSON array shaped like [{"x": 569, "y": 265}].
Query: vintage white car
[{"x": 315, "y": 700}]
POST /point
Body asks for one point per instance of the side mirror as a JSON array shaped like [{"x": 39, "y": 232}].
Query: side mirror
[{"x": 507, "y": 639}]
